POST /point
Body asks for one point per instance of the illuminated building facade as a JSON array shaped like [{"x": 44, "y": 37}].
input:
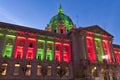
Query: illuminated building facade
[{"x": 61, "y": 52}]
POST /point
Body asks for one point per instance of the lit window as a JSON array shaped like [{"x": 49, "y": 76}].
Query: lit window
[
  {"x": 49, "y": 70},
  {"x": 40, "y": 50},
  {"x": 67, "y": 71},
  {"x": 48, "y": 57},
  {"x": 66, "y": 52},
  {"x": 99, "y": 49},
  {"x": 39, "y": 57},
  {"x": 58, "y": 51},
  {"x": 57, "y": 48},
  {"x": 65, "y": 49},
  {"x": 41, "y": 44},
  {"x": 94, "y": 72},
  {"x": 57, "y": 58},
  {"x": 39, "y": 68},
  {"x": 16, "y": 69},
  {"x": 21, "y": 43},
  {"x": 19, "y": 48},
  {"x": 18, "y": 55},
  {"x": 48, "y": 47},
  {"x": 8, "y": 48},
  {"x": 58, "y": 69},
  {"x": 49, "y": 53},
  {"x": 3, "y": 69},
  {"x": 28, "y": 70},
  {"x": 91, "y": 48},
  {"x": 31, "y": 49},
  {"x": 61, "y": 71}
]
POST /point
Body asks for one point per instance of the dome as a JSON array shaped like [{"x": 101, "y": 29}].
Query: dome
[{"x": 60, "y": 18}]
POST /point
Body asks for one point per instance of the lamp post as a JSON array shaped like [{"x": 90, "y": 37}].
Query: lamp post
[{"x": 105, "y": 61}]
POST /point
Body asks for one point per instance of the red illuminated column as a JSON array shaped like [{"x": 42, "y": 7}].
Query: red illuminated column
[
  {"x": 91, "y": 49},
  {"x": 19, "y": 48},
  {"x": 66, "y": 52},
  {"x": 58, "y": 51},
  {"x": 117, "y": 57},
  {"x": 31, "y": 48},
  {"x": 107, "y": 50}
]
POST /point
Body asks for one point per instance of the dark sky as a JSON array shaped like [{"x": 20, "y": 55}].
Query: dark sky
[{"x": 37, "y": 13}]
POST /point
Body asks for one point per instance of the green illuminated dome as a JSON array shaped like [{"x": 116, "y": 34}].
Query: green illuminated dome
[{"x": 62, "y": 19}]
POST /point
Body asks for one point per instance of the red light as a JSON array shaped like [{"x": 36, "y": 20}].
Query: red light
[
  {"x": 58, "y": 51},
  {"x": 106, "y": 46},
  {"x": 19, "y": 49},
  {"x": 117, "y": 56},
  {"x": 31, "y": 49},
  {"x": 66, "y": 50},
  {"x": 61, "y": 29},
  {"x": 91, "y": 49}
]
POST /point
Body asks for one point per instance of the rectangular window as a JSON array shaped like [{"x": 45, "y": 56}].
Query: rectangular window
[
  {"x": 16, "y": 70},
  {"x": 99, "y": 49},
  {"x": 31, "y": 48},
  {"x": 39, "y": 68},
  {"x": 3, "y": 69},
  {"x": 40, "y": 50},
  {"x": 19, "y": 49},
  {"x": 66, "y": 52},
  {"x": 49, "y": 54},
  {"x": 58, "y": 70},
  {"x": 67, "y": 71},
  {"x": 8, "y": 47},
  {"x": 28, "y": 70},
  {"x": 61, "y": 31},
  {"x": 58, "y": 51},
  {"x": 91, "y": 49},
  {"x": 49, "y": 71}
]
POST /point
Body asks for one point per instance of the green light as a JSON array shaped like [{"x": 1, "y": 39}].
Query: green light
[
  {"x": 60, "y": 11},
  {"x": 99, "y": 49},
  {"x": 8, "y": 47},
  {"x": 11, "y": 31},
  {"x": 62, "y": 19},
  {"x": 40, "y": 50},
  {"x": 49, "y": 53},
  {"x": 96, "y": 34},
  {"x": 1, "y": 40},
  {"x": 1, "y": 35}
]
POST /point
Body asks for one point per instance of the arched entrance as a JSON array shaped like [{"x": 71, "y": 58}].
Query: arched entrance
[
  {"x": 105, "y": 74},
  {"x": 94, "y": 73},
  {"x": 112, "y": 73}
]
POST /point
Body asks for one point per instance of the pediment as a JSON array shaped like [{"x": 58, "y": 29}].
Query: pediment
[{"x": 97, "y": 29}]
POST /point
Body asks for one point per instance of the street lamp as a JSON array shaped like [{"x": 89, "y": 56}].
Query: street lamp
[{"x": 105, "y": 60}]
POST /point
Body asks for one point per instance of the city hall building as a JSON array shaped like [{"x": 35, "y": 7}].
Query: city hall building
[{"x": 60, "y": 52}]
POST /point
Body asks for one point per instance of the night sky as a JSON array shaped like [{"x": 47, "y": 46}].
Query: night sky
[{"x": 37, "y": 13}]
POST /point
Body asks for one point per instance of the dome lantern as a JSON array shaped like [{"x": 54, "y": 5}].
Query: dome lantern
[
  {"x": 60, "y": 23},
  {"x": 60, "y": 10}
]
